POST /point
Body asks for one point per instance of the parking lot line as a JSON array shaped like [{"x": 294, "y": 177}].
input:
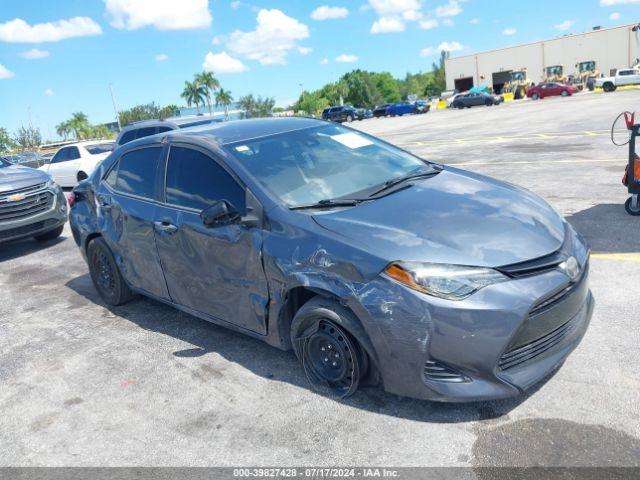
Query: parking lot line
[
  {"x": 506, "y": 138},
  {"x": 623, "y": 257}
]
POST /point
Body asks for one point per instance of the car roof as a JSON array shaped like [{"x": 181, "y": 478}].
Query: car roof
[
  {"x": 236, "y": 130},
  {"x": 87, "y": 142}
]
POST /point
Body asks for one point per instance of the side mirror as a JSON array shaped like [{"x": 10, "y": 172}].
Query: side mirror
[{"x": 220, "y": 213}]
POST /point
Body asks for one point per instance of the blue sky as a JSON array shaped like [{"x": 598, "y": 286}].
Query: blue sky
[{"x": 59, "y": 56}]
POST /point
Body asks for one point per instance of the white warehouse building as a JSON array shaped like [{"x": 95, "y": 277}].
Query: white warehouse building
[{"x": 611, "y": 49}]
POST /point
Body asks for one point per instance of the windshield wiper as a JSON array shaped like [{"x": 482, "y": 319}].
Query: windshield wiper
[
  {"x": 327, "y": 203},
  {"x": 397, "y": 181}
]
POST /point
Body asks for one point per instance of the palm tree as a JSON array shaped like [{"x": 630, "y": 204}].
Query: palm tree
[
  {"x": 63, "y": 129},
  {"x": 194, "y": 94},
  {"x": 210, "y": 82},
  {"x": 224, "y": 98}
]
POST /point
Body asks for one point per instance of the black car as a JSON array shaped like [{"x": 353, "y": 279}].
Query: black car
[
  {"x": 345, "y": 113},
  {"x": 381, "y": 110},
  {"x": 473, "y": 99}
]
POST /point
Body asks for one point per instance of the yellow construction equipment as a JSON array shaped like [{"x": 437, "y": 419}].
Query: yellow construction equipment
[
  {"x": 555, "y": 73},
  {"x": 518, "y": 85},
  {"x": 586, "y": 74}
]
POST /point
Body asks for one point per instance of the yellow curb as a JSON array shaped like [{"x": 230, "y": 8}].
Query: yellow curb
[{"x": 623, "y": 257}]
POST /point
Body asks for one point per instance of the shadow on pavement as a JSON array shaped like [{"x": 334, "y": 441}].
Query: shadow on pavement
[
  {"x": 20, "y": 248},
  {"x": 272, "y": 363},
  {"x": 608, "y": 228}
]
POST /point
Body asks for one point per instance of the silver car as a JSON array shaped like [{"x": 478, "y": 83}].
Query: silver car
[{"x": 31, "y": 204}]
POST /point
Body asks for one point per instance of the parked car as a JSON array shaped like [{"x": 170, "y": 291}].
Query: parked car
[
  {"x": 146, "y": 128},
  {"x": 363, "y": 113},
  {"x": 422, "y": 106},
  {"x": 73, "y": 163},
  {"x": 371, "y": 263},
  {"x": 381, "y": 110},
  {"x": 550, "y": 89},
  {"x": 26, "y": 159},
  {"x": 473, "y": 99},
  {"x": 624, "y": 76},
  {"x": 401, "y": 108},
  {"x": 450, "y": 99},
  {"x": 31, "y": 204},
  {"x": 342, "y": 113}
]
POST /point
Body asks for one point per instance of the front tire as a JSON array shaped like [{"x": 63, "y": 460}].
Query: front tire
[
  {"x": 50, "y": 235},
  {"x": 331, "y": 357},
  {"x": 81, "y": 176},
  {"x": 631, "y": 210},
  {"x": 535, "y": 96},
  {"x": 105, "y": 274},
  {"x": 349, "y": 118},
  {"x": 608, "y": 87},
  {"x": 564, "y": 93}
]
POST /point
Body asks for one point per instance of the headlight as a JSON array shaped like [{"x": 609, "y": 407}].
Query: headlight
[{"x": 452, "y": 282}]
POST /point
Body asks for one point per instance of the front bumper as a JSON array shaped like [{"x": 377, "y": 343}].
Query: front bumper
[
  {"x": 495, "y": 344},
  {"x": 38, "y": 223}
]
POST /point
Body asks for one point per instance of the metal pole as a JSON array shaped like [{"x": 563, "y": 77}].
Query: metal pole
[{"x": 115, "y": 110}]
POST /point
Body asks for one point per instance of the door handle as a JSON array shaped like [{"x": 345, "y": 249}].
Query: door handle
[{"x": 164, "y": 227}]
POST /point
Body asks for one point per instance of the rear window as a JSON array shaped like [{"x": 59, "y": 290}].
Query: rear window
[
  {"x": 128, "y": 137},
  {"x": 98, "y": 148},
  {"x": 136, "y": 172}
]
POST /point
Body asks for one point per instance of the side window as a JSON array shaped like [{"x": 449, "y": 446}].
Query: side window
[
  {"x": 137, "y": 172},
  {"x": 164, "y": 129},
  {"x": 113, "y": 175},
  {"x": 128, "y": 137},
  {"x": 60, "y": 156},
  {"x": 73, "y": 153},
  {"x": 195, "y": 180},
  {"x": 146, "y": 131}
]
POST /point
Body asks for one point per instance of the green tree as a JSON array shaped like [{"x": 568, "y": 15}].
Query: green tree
[
  {"x": 439, "y": 77},
  {"x": 194, "y": 94},
  {"x": 149, "y": 111},
  {"x": 256, "y": 106},
  {"x": 6, "y": 142},
  {"x": 224, "y": 99},
  {"x": 211, "y": 83},
  {"x": 387, "y": 86},
  {"x": 311, "y": 103},
  {"x": 28, "y": 138},
  {"x": 64, "y": 129}
]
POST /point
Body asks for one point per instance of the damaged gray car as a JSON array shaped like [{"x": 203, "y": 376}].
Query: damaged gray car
[{"x": 375, "y": 266}]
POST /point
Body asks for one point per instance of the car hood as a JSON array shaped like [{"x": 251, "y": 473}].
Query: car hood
[
  {"x": 16, "y": 176},
  {"x": 454, "y": 217}
]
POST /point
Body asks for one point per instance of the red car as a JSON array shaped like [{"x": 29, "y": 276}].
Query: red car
[{"x": 551, "y": 89}]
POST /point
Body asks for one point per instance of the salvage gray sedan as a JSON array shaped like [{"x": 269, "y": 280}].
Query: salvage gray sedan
[{"x": 373, "y": 265}]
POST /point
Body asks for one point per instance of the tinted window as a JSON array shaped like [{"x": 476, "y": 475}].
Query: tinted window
[
  {"x": 112, "y": 177},
  {"x": 146, "y": 132},
  {"x": 137, "y": 172},
  {"x": 128, "y": 137},
  {"x": 60, "y": 156},
  {"x": 164, "y": 129},
  {"x": 73, "y": 153},
  {"x": 195, "y": 180}
]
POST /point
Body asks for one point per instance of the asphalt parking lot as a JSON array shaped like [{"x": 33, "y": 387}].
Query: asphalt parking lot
[{"x": 146, "y": 385}]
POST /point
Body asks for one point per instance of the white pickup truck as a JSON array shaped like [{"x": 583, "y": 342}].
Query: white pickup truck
[{"x": 624, "y": 76}]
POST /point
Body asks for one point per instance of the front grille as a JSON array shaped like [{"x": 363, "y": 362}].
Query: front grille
[
  {"x": 434, "y": 370},
  {"x": 33, "y": 204},
  {"x": 531, "y": 350},
  {"x": 32, "y": 188},
  {"x": 26, "y": 229}
]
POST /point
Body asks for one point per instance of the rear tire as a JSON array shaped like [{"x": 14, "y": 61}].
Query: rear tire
[
  {"x": 50, "y": 235},
  {"x": 105, "y": 274},
  {"x": 564, "y": 93},
  {"x": 82, "y": 176},
  {"x": 349, "y": 118},
  {"x": 330, "y": 355},
  {"x": 629, "y": 208},
  {"x": 535, "y": 96}
]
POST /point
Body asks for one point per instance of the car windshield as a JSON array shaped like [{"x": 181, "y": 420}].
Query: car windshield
[
  {"x": 327, "y": 162},
  {"x": 4, "y": 163},
  {"x": 98, "y": 148}
]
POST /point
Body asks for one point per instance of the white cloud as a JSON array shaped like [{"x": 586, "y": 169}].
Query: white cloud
[
  {"x": 222, "y": 63},
  {"x": 34, "y": 54},
  {"x": 236, "y": 4},
  {"x": 161, "y": 14},
  {"x": 305, "y": 50},
  {"x": 325, "y": 12},
  {"x": 609, "y": 3},
  {"x": 346, "y": 58},
  {"x": 19, "y": 31},
  {"x": 162, "y": 57},
  {"x": 447, "y": 22},
  {"x": 5, "y": 72},
  {"x": 428, "y": 24},
  {"x": 446, "y": 46},
  {"x": 566, "y": 25},
  {"x": 474, "y": 21},
  {"x": 509, "y": 31},
  {"x": 276, "y": 34},
  {"x": 614, "y": 16},
  {"x": 48, "y": 92},
  {"x": 216, "y": 40},
  {"x": 387, "y": 25},
  {"x": 324, "y": 61},
  {"x": 450, "y": 9}
]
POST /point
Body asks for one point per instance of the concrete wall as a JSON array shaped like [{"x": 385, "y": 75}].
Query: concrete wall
[{"x": 611, "y": 48}]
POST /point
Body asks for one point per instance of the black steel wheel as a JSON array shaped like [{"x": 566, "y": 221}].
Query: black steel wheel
[
  {"x": 82, "y": 176},
  {"x": 332, "y": 358},
  {"x": 632, "y": 208},
  {"x": 105, "y": 274}
]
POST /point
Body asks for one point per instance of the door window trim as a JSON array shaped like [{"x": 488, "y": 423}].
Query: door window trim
[{"x": 204, "y": 151}]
